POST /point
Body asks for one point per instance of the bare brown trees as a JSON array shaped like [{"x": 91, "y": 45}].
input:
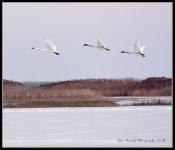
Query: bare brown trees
[{"x": 89, "y": 89}]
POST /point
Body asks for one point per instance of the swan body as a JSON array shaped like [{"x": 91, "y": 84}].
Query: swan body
[
  {"x": 100, "y": 45},
  {"x": 50, "y": 47},
  {"x": 137, "y": 51}
]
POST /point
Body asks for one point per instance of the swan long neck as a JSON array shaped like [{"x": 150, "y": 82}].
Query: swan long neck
[
  {"x": 88, "y": 45},
  {"x": 125, "y": 52},
  {"x": 42, "y": 49}
]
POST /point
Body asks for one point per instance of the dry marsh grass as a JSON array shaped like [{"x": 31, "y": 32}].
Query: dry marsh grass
[
  {"x": 85, "y": 89},
  {"x": 51, "y": 103}
]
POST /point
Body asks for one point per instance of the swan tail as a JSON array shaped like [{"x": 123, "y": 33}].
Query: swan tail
[{"x": 56, "y": 53}]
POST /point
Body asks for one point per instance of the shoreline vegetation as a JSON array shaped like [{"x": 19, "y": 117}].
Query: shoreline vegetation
[{"x": 83, "y": 93}]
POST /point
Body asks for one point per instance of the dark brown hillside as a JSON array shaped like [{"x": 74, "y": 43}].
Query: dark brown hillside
[
  {"x": 89, "y": 89},
  {"x": 156, "y": 82},
  {"x": 84, "y": 93},
  {"x": 11, "y": 85},
  {"x": 153, "y": 86}
]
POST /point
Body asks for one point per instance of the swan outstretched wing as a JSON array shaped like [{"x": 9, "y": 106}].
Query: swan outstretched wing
[
  {"x": 50, "y": 46},
  {"x": 142, "y": 49},
  {"x": 100, "y": 44},
  {"x": 137, "y": 46}
]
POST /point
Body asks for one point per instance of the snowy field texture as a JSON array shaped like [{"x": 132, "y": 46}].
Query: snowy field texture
[
  {"x": 129, "y": 126},
  {"x": 136, "y": 100}
]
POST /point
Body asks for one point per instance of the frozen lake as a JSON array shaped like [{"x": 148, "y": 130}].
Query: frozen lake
[
  {"x": 129, "y": 126},
  {"x": 134, "y": 100}
]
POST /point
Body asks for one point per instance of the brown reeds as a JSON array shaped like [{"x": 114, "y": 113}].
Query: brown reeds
[
  {"x": 52, "y": 103},
  {"x": 89, "y": 89}
]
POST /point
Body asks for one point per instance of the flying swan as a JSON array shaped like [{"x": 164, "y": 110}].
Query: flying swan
[
  {"x": 100, "y": 45},
  {"x": 138, "y": 50},
  {"x": 50, "y": 47}
]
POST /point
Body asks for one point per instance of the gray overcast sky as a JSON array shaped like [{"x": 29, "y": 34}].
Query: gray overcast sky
[{"x": 70, "y": 25}]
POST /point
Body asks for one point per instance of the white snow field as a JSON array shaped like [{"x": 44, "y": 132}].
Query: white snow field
[
  {"x": 129, "y": 126},
  {"x": 133, "y": 100}
]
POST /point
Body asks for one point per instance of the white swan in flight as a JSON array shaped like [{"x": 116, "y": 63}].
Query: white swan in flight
[
  {"x": 100, "y": 45},
  {"x": 50, "y": 47},
  {"x": 138, "y": 50}
]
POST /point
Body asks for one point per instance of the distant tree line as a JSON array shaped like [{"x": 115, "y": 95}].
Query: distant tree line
[{"x": 89, "y": 88}]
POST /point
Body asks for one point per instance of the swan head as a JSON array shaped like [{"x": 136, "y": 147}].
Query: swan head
[
  {"x": 33, "y": 47},
  {"x": 122, "y": 52},
  {"x": 85, "y": 45}
]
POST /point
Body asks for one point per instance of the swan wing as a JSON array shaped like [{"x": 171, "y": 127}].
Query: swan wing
[
  {"x": 137, "y": 46},
  {"x": 100, "y": 44},
  {"x": 50, "y": 46},
  {"x": 142, "y": 49}
]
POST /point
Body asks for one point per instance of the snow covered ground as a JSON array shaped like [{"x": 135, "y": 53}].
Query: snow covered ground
[
  {"x": 135, "y": 100},
  {"x": 129, "y": 126}
]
